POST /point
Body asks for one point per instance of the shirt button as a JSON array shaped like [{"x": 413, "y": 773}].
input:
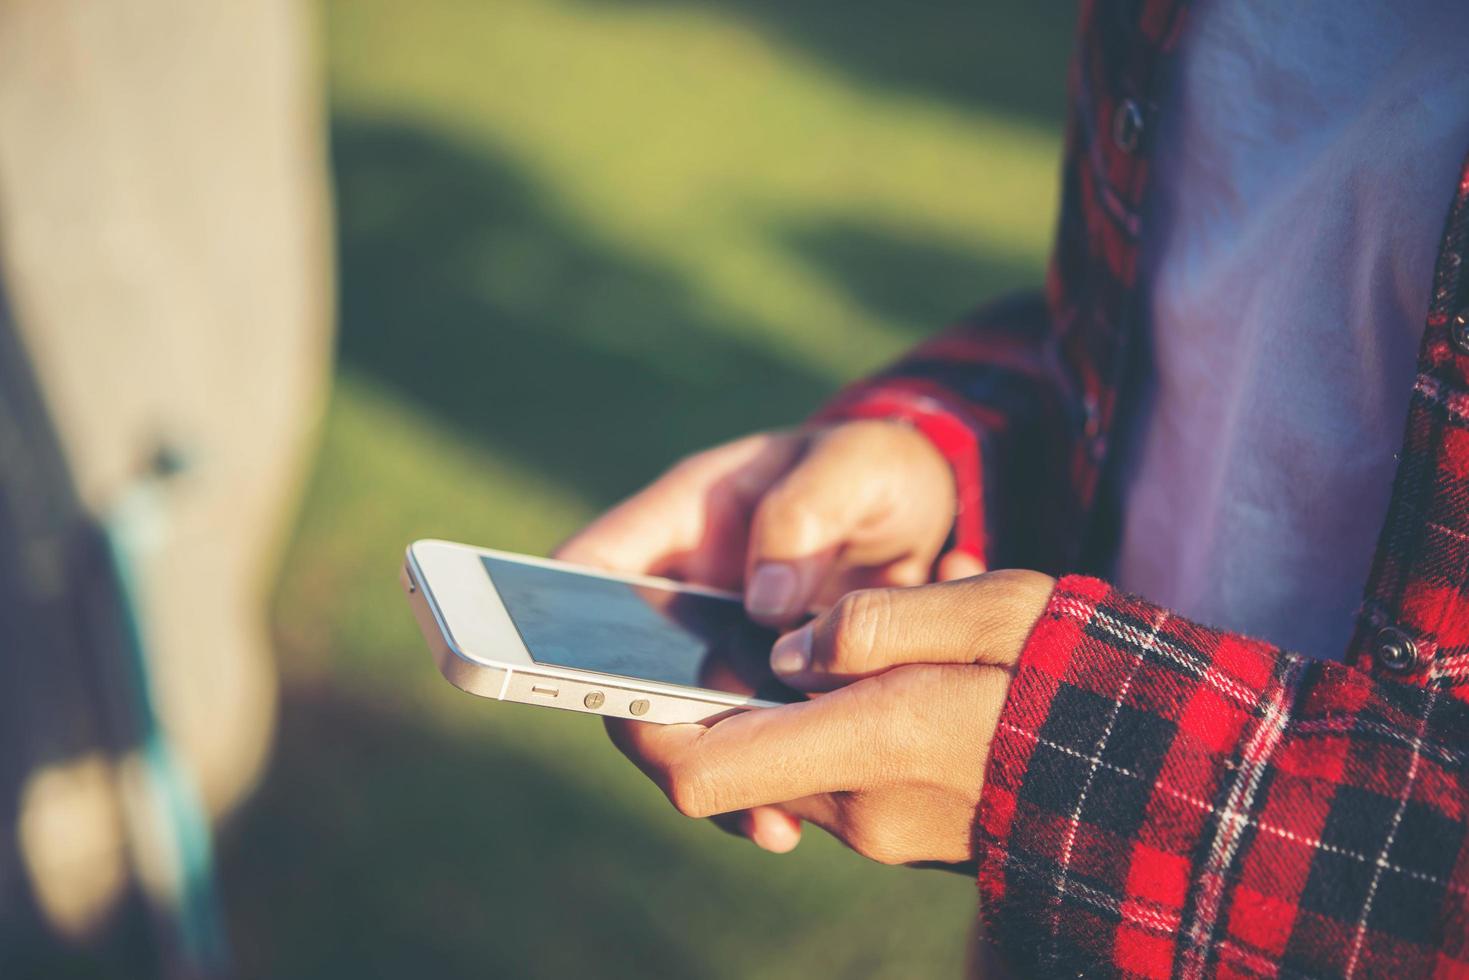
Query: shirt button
[
  {"x": 1127, "y": 126},
  {"x": 1459, "y": 330},
  {"x": 1091, "y": 417},
  {"x": 1395, "y": 650}
]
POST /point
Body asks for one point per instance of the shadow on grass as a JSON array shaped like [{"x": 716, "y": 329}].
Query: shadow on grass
[
  {"x": 902, "y": 277},
  {"x": 435, "y": 856},
  {"x": 1006, "y": 55},
  {"x": 463, "y": 288}
]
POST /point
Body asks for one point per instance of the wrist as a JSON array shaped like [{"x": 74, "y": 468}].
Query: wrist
[{"x": 948, "y": 430}]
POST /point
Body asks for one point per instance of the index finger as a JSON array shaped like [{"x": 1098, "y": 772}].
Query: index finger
[
  {"x": 755, "y": 758},
  {"x": 770, "y": 827},
  {"x": 675, "y": 522}
]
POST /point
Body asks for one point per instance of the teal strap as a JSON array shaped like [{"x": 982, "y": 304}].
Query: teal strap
[{"x": 190, "y": 907}]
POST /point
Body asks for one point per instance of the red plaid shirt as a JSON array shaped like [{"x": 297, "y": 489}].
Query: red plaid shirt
[{"x": 1163, "y": 798}]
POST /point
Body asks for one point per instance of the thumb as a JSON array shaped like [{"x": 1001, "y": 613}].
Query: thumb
[{"x": 985, "y": 619}]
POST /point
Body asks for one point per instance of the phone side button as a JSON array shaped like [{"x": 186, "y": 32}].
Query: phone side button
[
  {"x": 594, "y": 700},
  {"x": 639, "y": 707}
]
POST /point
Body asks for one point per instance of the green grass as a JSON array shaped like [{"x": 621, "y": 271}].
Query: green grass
[{"x": 579, "y": 238}]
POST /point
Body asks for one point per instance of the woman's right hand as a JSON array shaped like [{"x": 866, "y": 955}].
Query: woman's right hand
[{"x": 793, "y": 520}]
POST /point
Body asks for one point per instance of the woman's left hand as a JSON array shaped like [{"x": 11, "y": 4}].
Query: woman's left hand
[{"x": 892, "y": 760}]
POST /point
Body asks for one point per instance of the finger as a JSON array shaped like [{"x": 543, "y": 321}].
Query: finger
[
  {"x": 772, "y": 829},
  {"x": 636, "y": 741},
  {"x": 778, "y": 829},
  {"x": 768, "y": 827},
  {"x": 959, "y": 564},
  {"x": 822, "y": 810},
  {"x": 846, "y": 577},
  {"x": 984, "y": 619},
  {"x": 760, "y": 758},
  {"x": 802, "y": 524},
  {"x": 692, "y": 522}
]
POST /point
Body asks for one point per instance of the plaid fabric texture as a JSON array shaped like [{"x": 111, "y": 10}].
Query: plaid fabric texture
[
  {"x": 1420, "y": 575},
  {"x": 1169, "y": 800},
  {"x": 1165, "y": 799}
]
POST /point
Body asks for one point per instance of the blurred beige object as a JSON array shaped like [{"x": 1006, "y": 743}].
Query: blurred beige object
[
  {"x": 165, "y": 256},
  {"x": 71, "y": 839}
]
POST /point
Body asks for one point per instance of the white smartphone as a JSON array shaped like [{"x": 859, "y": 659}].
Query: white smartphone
[{"x": 516, "y": 628}]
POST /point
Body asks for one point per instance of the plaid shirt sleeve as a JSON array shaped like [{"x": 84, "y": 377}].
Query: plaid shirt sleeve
[
  {"x": 986, "y": 394},
  {"x": 1165, "y": 800}
]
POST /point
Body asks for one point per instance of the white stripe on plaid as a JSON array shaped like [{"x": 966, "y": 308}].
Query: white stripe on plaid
[
  {"x": 1130, "y": 635},
  {"x": 1444, "y": 755},
  {"x": 1148, "y": 915},
  {"x": 1261, "y": 826},
  {"x": 1453, "y": 669},
  {"x": 1392, "y": 833},
  {"x": 1228, "y": 830},
  {"x": 1063, "y": 874},
  {"x": 1454, "y": 401}
]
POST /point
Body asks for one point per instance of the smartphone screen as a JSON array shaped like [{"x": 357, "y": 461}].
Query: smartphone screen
[{"x": 590, "y": 623}]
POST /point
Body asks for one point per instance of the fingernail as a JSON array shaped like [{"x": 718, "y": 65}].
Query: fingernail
[
  {"x": 792, "y": 652},
  {"x": 772, "y": 590}
]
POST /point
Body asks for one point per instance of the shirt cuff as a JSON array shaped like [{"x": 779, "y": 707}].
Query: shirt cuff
[
  {"x": 933, "y": 411},
  {"x": 1119, "y": 727}
]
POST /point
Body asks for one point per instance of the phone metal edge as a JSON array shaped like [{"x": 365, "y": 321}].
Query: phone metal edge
[{"x": 674, "y": 704}]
